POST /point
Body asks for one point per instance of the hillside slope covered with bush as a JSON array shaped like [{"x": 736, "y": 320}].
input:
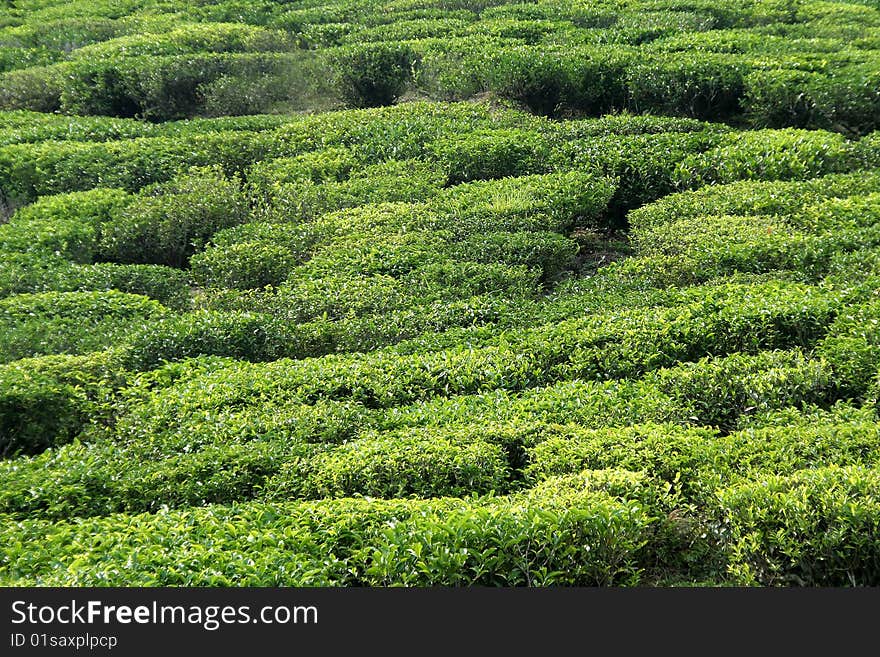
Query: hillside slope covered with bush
[{"x": 439, "y": 293}]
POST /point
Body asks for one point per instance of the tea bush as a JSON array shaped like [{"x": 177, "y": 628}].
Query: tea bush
[
  {"x": 535, "y": 540},
  {"x": 811, "y": 528},
  {"x": 46, "y": 401},
  {"x": 495, "y": 154},
  {"x": 771, "y": 155},
  {"x": 369, "y": 75},
  {"x": 243, "y": 265},
  {"x": 752, "y": 198},
  {"x": 394, "y": 467},
  {"x": 700, "y": 86},
  {"x": 166, "y": 223},
  {"x": 70, "y": 322},
  {"x": 66, "y": 224}
]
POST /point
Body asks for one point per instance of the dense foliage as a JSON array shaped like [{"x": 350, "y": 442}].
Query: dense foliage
[{"x": 431, "y": 293}]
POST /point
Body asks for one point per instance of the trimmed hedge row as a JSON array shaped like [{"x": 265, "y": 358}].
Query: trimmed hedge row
[
  {"x": 296, "y": 451},
  {"x": 162, "y": 87},
  {"x": 64, "y": 224},
  {"x": 47, "y": 401},
  {"x": 46, "y": 168},
  {"x": 554, "y": 202},
  {"x": 395, "y": 467},
  {"x": 711, "y": 392},
  {"x": 852, "y": 346},
  {"x": 606, "y": 346},
  {"x": 556, "y": 78},
  {"x": 771, "y": 155},
  {"x": 24, "y": 127},
  {"x": 699, "y": 461},
  {"x": 30, "y": 272},
  {"x": 247, "y": 454},
  {"x": 170, "y": 287},
  {"x": 406, "y": 181},
  {"x": 644, "y": 166},
  {"x": 401, "y": 132},
  {"x": 71, "y": 322},
  {"x": 752, "y": 198},
  {"x": 169, "y": 221},
  {"x": 816, "y": 527},
  {"x": 692, "y": 251},
  {"x": 491, "y": 154},
  {"x": 573, "y": 532},
  {"x": 261, "y": 337},
  {"x": 845, "y": 100},
  {"x": 104, "y": 477},
  {"x": 188, "y": 38},
  {"x": 550, "y": 202},
  {"x": 243, "y": 265},
  {"x": 587, "y": 529},
  {"x": 338, "y": 297}
]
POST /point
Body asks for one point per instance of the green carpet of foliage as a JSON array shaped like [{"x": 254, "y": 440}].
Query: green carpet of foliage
[{"x": 440, "y": 292}]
